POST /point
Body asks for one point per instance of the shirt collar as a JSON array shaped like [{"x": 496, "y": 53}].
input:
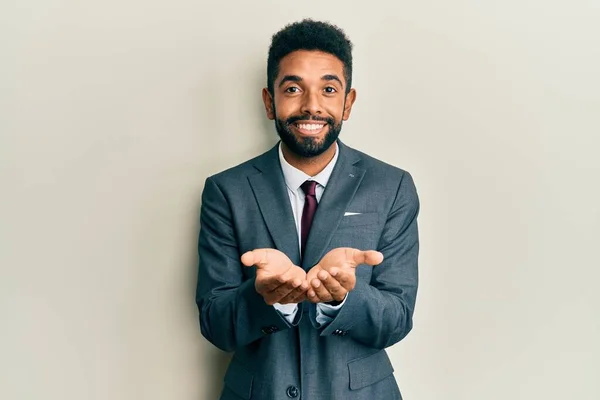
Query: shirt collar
[{"x": 294, "y": 178}]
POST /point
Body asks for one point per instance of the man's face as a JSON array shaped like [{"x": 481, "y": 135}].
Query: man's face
[{"x": 309, "y": 101}]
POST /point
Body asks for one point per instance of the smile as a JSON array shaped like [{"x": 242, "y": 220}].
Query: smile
[{"x": 309, "y": 129}]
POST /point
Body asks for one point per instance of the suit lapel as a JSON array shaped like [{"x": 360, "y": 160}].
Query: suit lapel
[
  {"x": 343, "y": 183},
  {"x": 270, "y": 191}
]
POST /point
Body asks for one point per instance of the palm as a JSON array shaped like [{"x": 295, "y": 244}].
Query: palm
[
  {"x": 345, "y": 257},
  {"x": 268, "y": 262},
  {"x": 335, "y": 275},
  {"x": 278, "y": 280}
]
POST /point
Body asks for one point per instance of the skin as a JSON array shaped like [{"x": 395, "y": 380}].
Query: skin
[
  {"x": 310, "y": 85},
  {"x": 316, "y": 95},
  {"x": 278, "y": 280}
]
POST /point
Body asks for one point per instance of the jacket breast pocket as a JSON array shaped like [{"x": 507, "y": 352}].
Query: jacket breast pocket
[
  {"x": 359, "y": 220},
  {"x": 369, "y": 370},
  {"x": 360, "y": 231},
  {"x": 238, "y": 379}
]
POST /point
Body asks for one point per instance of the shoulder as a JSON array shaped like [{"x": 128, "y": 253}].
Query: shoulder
[
  {"x": 387, "y": 179},
  {"x": 240, "y": 172},
  {"x": 374, "y": 167}
]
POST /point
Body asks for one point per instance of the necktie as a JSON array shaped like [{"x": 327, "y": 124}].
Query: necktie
[{"x": 308, "y": 212}]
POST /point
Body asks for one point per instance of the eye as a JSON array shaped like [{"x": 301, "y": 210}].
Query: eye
[
  {"x": 292, "y": 89},
  {"x": 330, "y": 89}
]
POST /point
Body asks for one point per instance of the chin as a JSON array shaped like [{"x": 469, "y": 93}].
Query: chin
[
  {"x": 317, "y": 140},
  {"x": 307, "y": 144}
]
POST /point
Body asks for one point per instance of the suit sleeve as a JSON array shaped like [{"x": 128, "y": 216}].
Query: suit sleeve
[
  {"x": 232, "y": 313},
  {"x": 379, "y": 313}
]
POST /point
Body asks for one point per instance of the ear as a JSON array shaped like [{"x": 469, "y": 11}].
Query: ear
[
  {"x": 350, "y": 99},
  {"x": 268, "y": 100}
]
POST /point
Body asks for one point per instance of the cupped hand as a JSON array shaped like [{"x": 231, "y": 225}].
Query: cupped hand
[
  {"x": 335, "y": 275},
  {"x": 278, "y": 280}
]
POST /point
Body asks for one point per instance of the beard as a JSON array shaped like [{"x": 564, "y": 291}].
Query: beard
[{"x": 307, "y": 147}]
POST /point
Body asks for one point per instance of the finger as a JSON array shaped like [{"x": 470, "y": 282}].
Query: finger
[
  {"x": 301, "y": 297},
  {"x": 290, "y": 282},
  {"x": 368, "y": 257},
  {"x": 281, "y": 292},
  {"x": 275, "y": 295},
  {"x": 258, "y": 257},
  {"x": 312, "y": 296},
  {"x": 333, "y": 287},
  {"x": 269, "y": 284},
  {"x": 278, "y": 293},
  {"x": 292, "y": 274},
  {"x": 296, "y": 295},
  {"x": 320, "y": 290},
  {"x": 313, "y": 272},
  {"x": 345, "y": 277}
]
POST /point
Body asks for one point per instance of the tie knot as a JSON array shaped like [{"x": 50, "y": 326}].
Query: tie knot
[{"x": 309, "y": 188}]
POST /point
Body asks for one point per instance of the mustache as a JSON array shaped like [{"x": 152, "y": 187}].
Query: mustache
[{"x": 296, "y": 118}]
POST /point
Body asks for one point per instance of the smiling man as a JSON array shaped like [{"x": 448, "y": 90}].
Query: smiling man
[{"x": 308, "y": 252}]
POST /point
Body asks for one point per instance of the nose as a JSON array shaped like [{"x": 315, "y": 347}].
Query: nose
[{"x": 311, "y": 104}]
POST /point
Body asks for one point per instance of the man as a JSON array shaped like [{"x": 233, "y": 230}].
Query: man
[{"x": 308, "y": 253}]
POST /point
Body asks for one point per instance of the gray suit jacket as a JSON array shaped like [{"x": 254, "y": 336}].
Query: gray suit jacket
[{"x": 247, "y": 207}]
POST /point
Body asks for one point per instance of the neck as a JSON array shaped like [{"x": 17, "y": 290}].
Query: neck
[{"x": 309, "y": 165}]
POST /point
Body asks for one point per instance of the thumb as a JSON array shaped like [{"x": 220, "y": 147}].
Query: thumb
[
  {"x": 369, "y": 257},
  {"x": 258, "y": 257}
]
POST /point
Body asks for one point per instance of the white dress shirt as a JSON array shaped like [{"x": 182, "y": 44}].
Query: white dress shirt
[{"x": 294, "y": 178}]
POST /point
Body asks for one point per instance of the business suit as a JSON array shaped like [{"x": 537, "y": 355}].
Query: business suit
[{"x": 247, "y": 207}]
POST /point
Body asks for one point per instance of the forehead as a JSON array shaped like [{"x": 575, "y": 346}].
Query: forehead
[{"x": 307, "y": 64}]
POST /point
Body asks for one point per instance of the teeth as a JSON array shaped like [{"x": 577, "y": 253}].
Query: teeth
[{"x": 310, "y": 127}]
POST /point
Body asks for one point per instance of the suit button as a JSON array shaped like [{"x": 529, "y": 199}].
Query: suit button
[{"x": 292, "y": 392}]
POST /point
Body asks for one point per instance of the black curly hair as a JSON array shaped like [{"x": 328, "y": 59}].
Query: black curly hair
[{"x": 309, "y": 35}]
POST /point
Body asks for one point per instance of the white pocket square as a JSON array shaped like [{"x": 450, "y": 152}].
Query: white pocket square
[{"x": 351, "y": 213}]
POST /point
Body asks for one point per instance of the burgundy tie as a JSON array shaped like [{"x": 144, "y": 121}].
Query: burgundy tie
[{"x": 310, "y": 207}]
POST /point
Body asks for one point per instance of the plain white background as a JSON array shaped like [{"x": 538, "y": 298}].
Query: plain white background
[{"x": 112, "y": 114}]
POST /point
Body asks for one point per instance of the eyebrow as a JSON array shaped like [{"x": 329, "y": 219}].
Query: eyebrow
[
  {"x": 296, "y": 78},
  {"x": 332, "y": 78},
  {"x": 290, "y": 78}
]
